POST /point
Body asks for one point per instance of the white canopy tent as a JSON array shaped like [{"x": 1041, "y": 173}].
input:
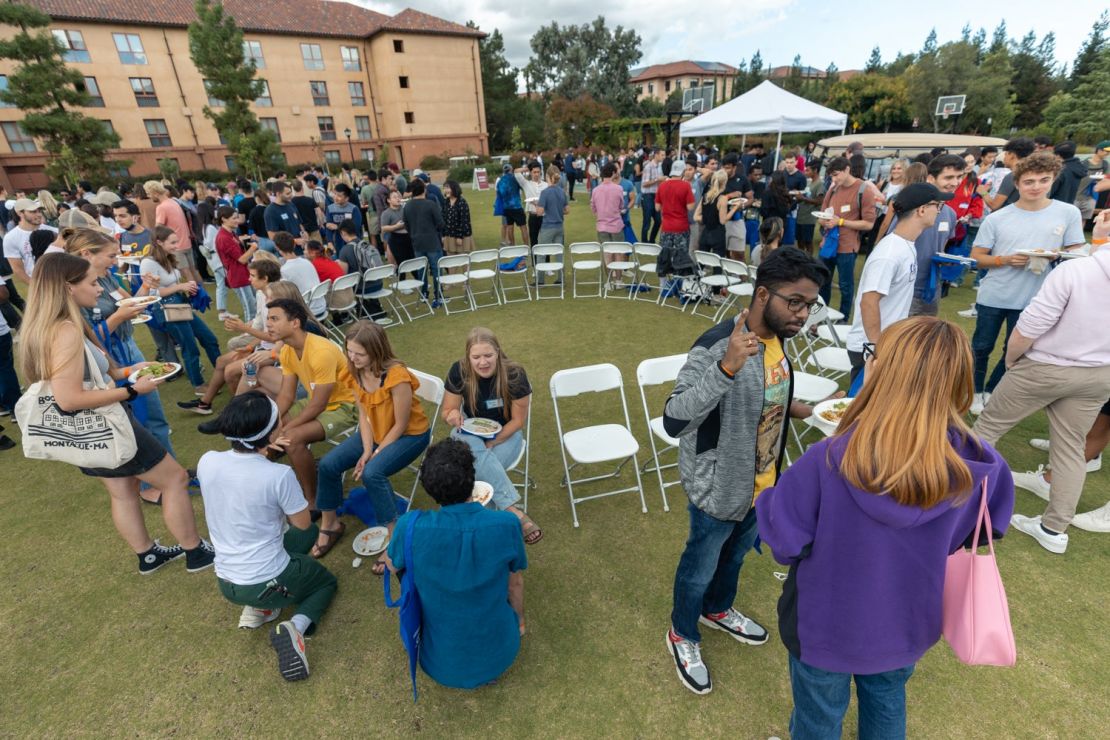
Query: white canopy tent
[{"x": 764, "y": 109}]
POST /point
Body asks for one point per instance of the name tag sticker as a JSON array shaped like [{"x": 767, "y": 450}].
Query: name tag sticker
[
  {"x": 285, "y": 216},
  {"x": 1058, "y": 231},
  {"x": 116, "y": 295},
  {"x": 845, "y": 208},
  {"x": 494, "y": 403},
  {"x": 963, "y": 206},
  {"x": 942, "y": 227}
]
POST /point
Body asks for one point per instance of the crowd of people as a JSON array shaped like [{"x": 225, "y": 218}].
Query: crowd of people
[{"x": 290, "y": 387}]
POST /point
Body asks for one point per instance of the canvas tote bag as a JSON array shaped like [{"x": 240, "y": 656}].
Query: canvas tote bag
[
  {"x": 90, "y": 438},
  {"x": 976, "y": 615}
]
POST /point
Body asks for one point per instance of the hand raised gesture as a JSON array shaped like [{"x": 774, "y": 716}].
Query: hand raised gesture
[{"x": 742, "y": 344}]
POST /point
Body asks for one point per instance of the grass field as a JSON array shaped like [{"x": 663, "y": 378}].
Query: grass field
[{"x": 95, "y": 650}]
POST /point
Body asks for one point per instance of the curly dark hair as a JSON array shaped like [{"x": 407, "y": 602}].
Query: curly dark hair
[{"x": 447, "y": 472}]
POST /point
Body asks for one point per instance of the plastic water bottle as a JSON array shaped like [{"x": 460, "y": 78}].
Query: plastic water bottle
[
  {"x": 250, "y": 370},
  {"x": 96, "y": 315}
]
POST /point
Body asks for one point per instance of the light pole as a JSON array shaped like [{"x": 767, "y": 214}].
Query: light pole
[{"x": 350, "y": 148}]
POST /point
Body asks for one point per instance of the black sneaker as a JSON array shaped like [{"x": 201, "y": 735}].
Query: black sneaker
[
  {"x": 197, "y": 406},
  {"x": 289, "y": 646},
  {"x": 209, "y": 427},
  {"x": 200, "y": 557},
  {"x": 157, "y": 556}
]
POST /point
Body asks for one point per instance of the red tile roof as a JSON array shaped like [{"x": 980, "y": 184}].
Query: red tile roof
[
  {"x": 298, "y": 17},
  {"x": 685, "y": 67}
]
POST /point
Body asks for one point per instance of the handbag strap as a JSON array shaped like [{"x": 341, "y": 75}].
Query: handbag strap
[
  {"x": 984, "y": 516},
  {"x": 406, "y": 578},
  {"x": 95, "y": 375}
]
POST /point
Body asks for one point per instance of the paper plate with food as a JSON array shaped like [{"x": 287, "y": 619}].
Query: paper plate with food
[
  {"x": 821, "y": 215},
  {"x": 828, "y": 413},
  {"x": 140, "y": 300},
  {"x": 479, "y": 427},
  {"x": 1046, "y": 253},
  {"x": 370, "y": 541},
  {"x": 141, "y": 318},
  {"x": 483, "y": 493},
  {"x": 156, "y": 370}
]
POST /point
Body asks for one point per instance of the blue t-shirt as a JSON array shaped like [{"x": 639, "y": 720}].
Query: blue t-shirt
[
  {"x": 337, "y": 214},
  {"x": 463, "y": 555},
  {"x": 552, "y": 200},
  {"x": 283, "y": 218}
]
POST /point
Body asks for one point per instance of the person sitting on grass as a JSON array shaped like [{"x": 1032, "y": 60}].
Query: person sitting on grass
[
  {"x": 473, "y": 601},
  {"x": 392, "y": 432},
  {"x": 485, "y": 384},
  {"x": 248, "y": 502},
  {"x": 252, "y": 344}
]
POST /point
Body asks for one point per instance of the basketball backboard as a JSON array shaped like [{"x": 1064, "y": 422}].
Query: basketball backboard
[
  {"x": 698, "y": 99},
  {"x": 950, "y": 105}
]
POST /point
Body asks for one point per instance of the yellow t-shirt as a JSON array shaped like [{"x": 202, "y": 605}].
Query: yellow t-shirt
[
  {"x": 776, "y": 388},
  {"x": 321, "y": 363}
]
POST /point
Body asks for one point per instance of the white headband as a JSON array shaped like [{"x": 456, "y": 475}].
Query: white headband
[{"x": 265, "y": 433}]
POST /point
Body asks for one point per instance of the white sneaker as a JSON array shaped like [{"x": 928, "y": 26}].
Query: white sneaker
[
  {"x": 1097, "y": 520},
  {"x": 1039, "y": 444},
  {"x": 979, "y": 403},
  {"x": 1031, "y": 525},
  {"x": 1034, "y": 482},
  {"x": 252, "y": 618},
  {"x": 970, "y": 313},
  {"x": 1093, "y": 466}
]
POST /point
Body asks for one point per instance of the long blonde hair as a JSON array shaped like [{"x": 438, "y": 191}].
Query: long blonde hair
[
  {"x": 49, "y": 305},
  {"x": 506, "y": 374},
  {"x": 79, "y": 239},
  {"x": 915, "y": 395},
  {"x": 717, "y": 185},
  {"x": 49, "y": 205}
]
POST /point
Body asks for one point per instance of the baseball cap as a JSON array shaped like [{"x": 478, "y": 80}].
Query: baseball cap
[
  {"x": 919, "y": 194},
  {"x": 423, "y": 176},
  {"x": 104, "y": 198},
  {"x": 26, "y": 204},
  {"x": 678, "y": 167},
  {"x": 417, "y": 172},
  {"x": 506, "y": 167},
  {"x": 76, "y": 218},
  {"x": 1104, "y": 144}
]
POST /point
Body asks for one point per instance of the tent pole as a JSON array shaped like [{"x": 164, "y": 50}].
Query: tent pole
[
  {"x": 844, "y": 127},
  {"x": 778, "y": 147},
  {"x": 743, "y": 141}
]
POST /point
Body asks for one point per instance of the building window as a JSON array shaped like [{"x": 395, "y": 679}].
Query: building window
[
  {"x": 366, "y": 154},
  {"x": 96, "y": 100},
  {"x": 409, "y": 117},
  {"x": 264, "y": 100},
  {"x": 157, "y": 131},
  {"x": 130, "y": 48},
  {"x": 18, "y": 139},
  {"x": 271, "y": 124},
  {"x": 116, "y": 169},
  {"x": 319, "y": 92},
  {"x": 327, "y": 128},
  {"x": 362, "y": 127},
  {"x": 213, "y": 102},
  {"x": 331, "y": 156},
  {"x": 651, "y": 88},
  {"x": 312, "y": 56},
  {"x": 74, "y": 44},
  {"x": 229, "y": 162},
  {"x": 404, "y": 81},
  {"x": 678, "y": 84},
  {"x": 143, "y": 87},
  {"x": 252, "y": 52},
  {"x": 351, "y": 61},
  {"x": 4, "y": 88},
  {"x": 398, "y": 46},
  {"x": 358, "y": 94},
  {"x": 108, "y": 127},
  {"x": 667, "y": 86}
]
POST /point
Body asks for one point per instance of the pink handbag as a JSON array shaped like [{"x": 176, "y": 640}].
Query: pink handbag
[{"x": 976, "y": 614}]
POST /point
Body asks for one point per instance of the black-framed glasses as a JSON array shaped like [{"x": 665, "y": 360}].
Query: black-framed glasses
[
  {"x": 796, "y": 304},
  {"x": 869, "y": 351}
]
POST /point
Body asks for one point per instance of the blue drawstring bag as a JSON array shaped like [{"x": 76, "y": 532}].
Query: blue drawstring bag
[
  {"x": 358, "y": 503},
  {"x": 830, "y": 245},
  {"x": 410, "y": 611},
  {"x": 200, "y": 300}
]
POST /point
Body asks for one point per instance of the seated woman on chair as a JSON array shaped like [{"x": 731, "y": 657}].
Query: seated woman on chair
[{"x": 486, "y": 384}]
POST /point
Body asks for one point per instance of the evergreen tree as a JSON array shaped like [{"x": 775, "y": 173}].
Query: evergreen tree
[
  {"x": 498, "y": 89},
  {"x": 1075, "y": 113},
  {"x": 216, "y": 48},
  {"x": 1033, "y": 82},
  {"x": 930, "y": 46},
  {"x": 874, "y": 62},
  {"x": 999, "y": 40},
  {"x": 48, "y": 93},
  {"x": 1089, "y": 53}
]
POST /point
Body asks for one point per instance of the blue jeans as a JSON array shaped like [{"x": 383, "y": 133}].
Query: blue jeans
[
  {"x": 375, "y": 474},
  {"x": 845, "y": 267},
  {"x": 751, "y": 233},
  {"x": 709, "y": 570},
  {"x": 156, "y": 422},
  {"x": 490, "y": 465},
  {"x": 219, "y": 276},
  {"x": 192, "y": 335},
  {"x": 987, "y": 325},
  {"x": 433, "y": 256},
  {"x": 789, "y": 231},
  {"x": 9, "y": 381},
  {"x": 248, "y": 300},
  {"x": 821, "y": 698},
  {"x": 649, "y": 226}
]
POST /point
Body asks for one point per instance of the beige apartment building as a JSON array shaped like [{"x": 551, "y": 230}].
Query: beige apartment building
[
  {"x": 342, "y": 82},
  {"x": 660, "y": 80}
]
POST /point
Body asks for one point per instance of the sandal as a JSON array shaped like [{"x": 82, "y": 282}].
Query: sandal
[
  {"x": 379, "y": 567},
  {"x": 333, "y": 536},
  {"x": 532, "y": 532}
]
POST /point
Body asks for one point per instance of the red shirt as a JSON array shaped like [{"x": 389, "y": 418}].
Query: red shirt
[
  {"x": 673, "y": 197},
  {"x": 230, "y": 250},
  {"x": 327, "y": 268}
]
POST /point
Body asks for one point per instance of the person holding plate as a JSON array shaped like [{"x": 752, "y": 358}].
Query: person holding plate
[{"x": 485, "y": 384}]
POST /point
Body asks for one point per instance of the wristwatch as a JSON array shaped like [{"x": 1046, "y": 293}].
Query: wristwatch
[{"x": 132, "y": 394}]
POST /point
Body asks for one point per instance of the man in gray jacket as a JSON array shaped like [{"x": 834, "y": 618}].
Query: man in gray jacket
[{"x": 729, "y": 411}]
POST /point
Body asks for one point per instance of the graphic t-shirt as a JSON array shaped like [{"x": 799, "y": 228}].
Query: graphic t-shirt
[
  {"x": 489, "y": 404},
  {"x": 776, "y": 390},
  {"x": 134, "y": 243}
]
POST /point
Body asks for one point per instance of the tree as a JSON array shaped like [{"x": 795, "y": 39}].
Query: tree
[
  {"x": 216, "y": 48},
  {"x": 794, "y": 81},
  {"x": 1072, "y": 112},
  {"x": 754, "y": 75},
  {"x": 575, "y": 121},
  {"x": 1085, "y": 60},
  {"x": 48, "y": 93},
  {"x": 930, "y": 46},
  {"x": 874, "y": 101},
  {"x": 572, "y": 61},
  {"x": 674, "y": 100},
  {"x": 874, "y": 62},
  {"x": 990, "y": 105},
  {"x": 999, "y": 41},
  {"x": 1032, "y": 82},
  {"x": 498, "y": 89}
]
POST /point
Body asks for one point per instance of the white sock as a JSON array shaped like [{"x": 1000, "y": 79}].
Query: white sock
[{"x": 301, "y": 622}]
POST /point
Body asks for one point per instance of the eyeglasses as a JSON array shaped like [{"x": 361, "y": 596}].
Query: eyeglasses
[
  {"x": 869, "y": 351},
  {"x": 796, "y": 304}
]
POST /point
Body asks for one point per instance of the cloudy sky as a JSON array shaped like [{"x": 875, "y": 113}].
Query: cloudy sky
[{"x": 822, "y": 32}]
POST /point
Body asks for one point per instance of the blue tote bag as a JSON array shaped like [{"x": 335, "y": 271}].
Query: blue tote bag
[
  {"x": 411, "y": 613},
  {"x": 830, "y": 245}
]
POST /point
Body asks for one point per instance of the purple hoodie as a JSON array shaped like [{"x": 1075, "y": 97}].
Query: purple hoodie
[{"x": 867, "y": 574}]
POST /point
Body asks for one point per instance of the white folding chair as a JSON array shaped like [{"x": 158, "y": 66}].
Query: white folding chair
[
  {"x": 809, "y": 388},
  {"x": 657, "y": 371},
  {"x": 337, "y": 304},
  {"x": 647, "y": 256},
  {"x": 521, "y": 465},
  {"x": 431, "y": 392},
  {"x": 413, "y": 286},
  {"x": 317, "y": 293},
  {"x": 550, "y": 268},
  {"x": 447, "y": 280},
  {"x": 586, "y": 267},
  {"x": 709, "y": 282},
  {"x": 739, "y": 288},
  {"x": 599, "y": 443},
  {"x": 506, "y": 255},
  {"x": 484, "y": 266},
  {"x": 623, "y": 263},
  {"x": 383, "y": 295}
]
